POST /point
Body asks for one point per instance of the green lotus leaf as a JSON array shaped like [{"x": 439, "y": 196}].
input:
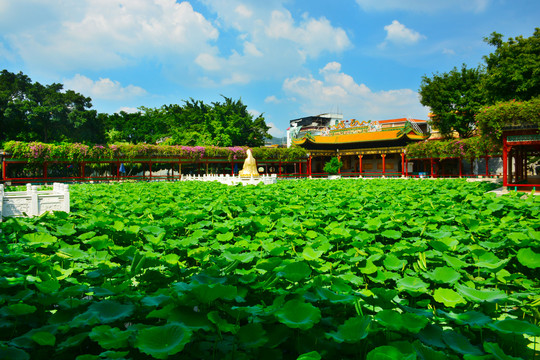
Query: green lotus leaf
[
  {"x": 485, "y": 295},
  {"x": 44, "y": 338},
  {"x": 109, "y": 338},
  {"x": 228, "y": 236},
  {"x": 391, "y": 234},
  {"x": 370, "y": 268},
  {"x": 241, "y": 257},
  {"x": 392, "y": 262},
  {"x": 295, "y": 271},
  {"x": 154, "y": 230},
  {"x": 493, "y": 207},
  {"x": 426, "y": 352},
  {"x": 13, "y": 353},
  {"x": 100, "y": 242},
  {"x": 490, "y": 261},
  {"x": 162, "y": 341},
  {"x": 353, "y": 330},
  {"x": 71, "y": 253},
  {"x": 512, "y": 326},
  {"x": 42, "y": 239},
  {"x": 155, "y": 300},
  {"x": 388, "y": 352},
  {"x": 529, "y": 258},
  {"x": 72, "y": 341},
  {"x": 252, "y": 335},
  {"x": 471, "y": 318},
  {"x": 108, "y": 311},
  {"x": 444, "y": 275},
  {"x": 313, "y": 355},
  {"x": 298, "y": 314},
  {"x": 309, "y": 254},
  {"x": 448, "y": 297},
  {"x": 171, "y": 259},
  {"x": 208, "y": 293},
  {"x": 222, "y": 324},
  {"x": 326, "y": 294},
  {"x": 432, "y": 335},
  {"x": 311, "y": 234},
  {"x": 460, "y": 343},
  {"x": 113, "y": 354},
  {"x": 497, "y": 352},
  {"x": 18, "y": 309},
  {"x": 66, "y": 229},
  {"x": 454, "y": 262},
  {"x": 412, "y": 284}
]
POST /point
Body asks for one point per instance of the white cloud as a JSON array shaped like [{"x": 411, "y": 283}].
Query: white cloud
[
  {"x": 269, "y": 36},
  {"x": 448, "y": 51},
  {"x": 398, "y": 33},
  {"x": 106, "y": 89},
  {"x": 339, "y": 89},
  {"x": 129, "y": 110},
  {"x": 111, "y": 33},
  {"x": 426, "y": 6},
  {"x": 274, "y": 130},
  {"x": 272, "y": 99}
]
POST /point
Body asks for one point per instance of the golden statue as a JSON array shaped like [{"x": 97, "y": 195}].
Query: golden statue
[{"x": 250, "y": 166}]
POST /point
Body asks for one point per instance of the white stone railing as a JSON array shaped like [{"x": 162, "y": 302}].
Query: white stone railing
[
  {"x": 233, "y": 180},
  {"x": 33, "y": 202}
]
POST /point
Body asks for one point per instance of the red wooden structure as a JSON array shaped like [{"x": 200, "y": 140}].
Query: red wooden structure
[{"x": 519, "y": 145}]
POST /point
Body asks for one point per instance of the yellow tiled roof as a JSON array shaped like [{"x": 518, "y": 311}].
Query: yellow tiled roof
[{"x": 360, "y": 137}]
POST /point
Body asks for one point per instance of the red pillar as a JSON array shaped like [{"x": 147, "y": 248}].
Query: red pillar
[
  {"x": 360, "y": 163},
  {"x": 383, "y": 163},
  {"x": 45, "y": 170},
  {"x": 402, "y": 164},
  {"x": 431, "y": 163},
  {"x": 309, "y": 165},
  {"x": 4, "y": 169},
  {"x": 505, "y": 160},
  {"x": 487, "y": 166},
  {"x": 460, "y": 167},
  {"x": 339, "y": 159},
  {"x": 118, "y": 169},
  {"x": 280, "y": 168}
]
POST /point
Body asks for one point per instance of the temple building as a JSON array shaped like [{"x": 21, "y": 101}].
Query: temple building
[{"x": 364, "y": 147}]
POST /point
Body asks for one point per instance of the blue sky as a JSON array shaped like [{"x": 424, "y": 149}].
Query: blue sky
[{"x": 283, "y": 58}]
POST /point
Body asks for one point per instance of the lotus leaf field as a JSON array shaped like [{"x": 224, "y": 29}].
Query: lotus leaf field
[{"x": 311, "y": 269}]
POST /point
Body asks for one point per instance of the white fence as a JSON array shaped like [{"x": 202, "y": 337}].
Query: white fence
[
  {"x": 33, "y": 202},
  {"x": 233, "y": 180}
]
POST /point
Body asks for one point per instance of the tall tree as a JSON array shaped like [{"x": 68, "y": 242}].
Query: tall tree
[
  {"x": 513, "y": 69},
  {"x": 454, "y": 98}
]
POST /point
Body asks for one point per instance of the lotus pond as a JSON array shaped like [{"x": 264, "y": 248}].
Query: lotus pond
[{"x": 312, "y": 269}]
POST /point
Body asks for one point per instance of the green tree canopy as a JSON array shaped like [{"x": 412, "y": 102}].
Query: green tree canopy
[
  {"x": 454, "y": 98},
  {"x": 513, "y": 69},
  {"x": 34, "y": 112}
]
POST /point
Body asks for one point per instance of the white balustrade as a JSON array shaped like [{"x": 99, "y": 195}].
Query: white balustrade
[{"x": 33, "y": 202}]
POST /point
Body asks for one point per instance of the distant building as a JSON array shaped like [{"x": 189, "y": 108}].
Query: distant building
[
  {"x": 365, "y": 147},
  {"x": 311, "y": 124}
]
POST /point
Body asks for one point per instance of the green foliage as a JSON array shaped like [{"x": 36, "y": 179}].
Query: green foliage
[
  {"x": 32, "y": 112},
  {"x": 472, "y": 147},
  {"x": 454, "y": 98},
  {"x": 36, "y": 152},
  {"x": 491, "y": 120},
  {"x": 332, "y": 167},
  {"x": 513, "y": 69},
  {"x": 311, "y": 269}
]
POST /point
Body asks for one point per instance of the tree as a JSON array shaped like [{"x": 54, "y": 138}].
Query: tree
[
  {"x": 454, "y": 98},
  {"x": 513, "y": 69},
  {"x": 34, "y": 112}
]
